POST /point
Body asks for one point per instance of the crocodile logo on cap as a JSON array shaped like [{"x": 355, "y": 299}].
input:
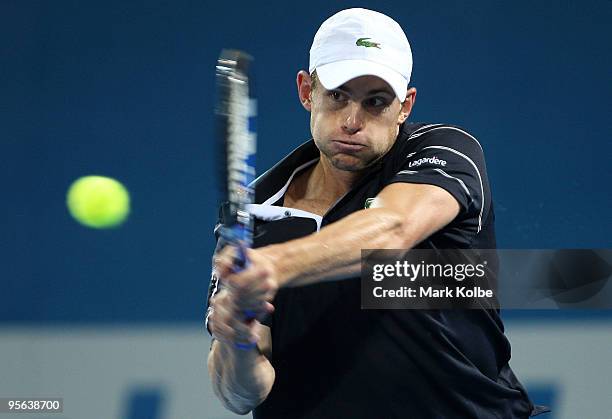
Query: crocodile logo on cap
[{"x": 363, "y": 42}]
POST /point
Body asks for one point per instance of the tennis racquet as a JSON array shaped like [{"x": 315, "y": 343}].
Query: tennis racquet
[{"x": 235, "y": 112}]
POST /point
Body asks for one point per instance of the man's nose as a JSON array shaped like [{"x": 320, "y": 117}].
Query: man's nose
[{"x": 353, "y": 119}]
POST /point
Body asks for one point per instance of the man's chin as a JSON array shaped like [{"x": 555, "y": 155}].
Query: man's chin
[{"x": 348, "y": 164}]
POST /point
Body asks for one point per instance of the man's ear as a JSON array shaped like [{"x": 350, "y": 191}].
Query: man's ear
[
  {"x": 407, "y": 105},
  {"x": 304, "y": 86}
]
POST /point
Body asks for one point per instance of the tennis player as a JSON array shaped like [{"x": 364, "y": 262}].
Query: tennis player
[{"x": 368, "y": 179}]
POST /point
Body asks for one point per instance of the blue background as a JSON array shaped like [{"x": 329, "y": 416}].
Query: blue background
[{"x": 126, "y": 89}]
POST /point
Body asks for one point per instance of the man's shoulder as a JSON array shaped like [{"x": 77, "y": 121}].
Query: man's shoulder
[
  {"x": 440, "y": 139},
  {"x": 415, "y": 135}
]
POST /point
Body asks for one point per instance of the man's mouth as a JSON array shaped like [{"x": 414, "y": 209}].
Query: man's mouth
[{"x": 348, "y": 146}]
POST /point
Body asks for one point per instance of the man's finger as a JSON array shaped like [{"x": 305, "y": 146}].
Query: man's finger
[
  {"x": 246, "y": 333},
  {"x": 254, "y": 280},
  {"x": 267, "y": 309},
  {"x": 223, "y": 261}
]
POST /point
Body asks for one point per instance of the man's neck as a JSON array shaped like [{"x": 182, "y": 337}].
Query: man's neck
[
  {"x": 327, "y": 181},
  {"x": 319, "y": 187}
]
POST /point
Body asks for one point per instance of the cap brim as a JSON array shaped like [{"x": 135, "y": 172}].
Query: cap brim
[{"x": 336, "y": 74}]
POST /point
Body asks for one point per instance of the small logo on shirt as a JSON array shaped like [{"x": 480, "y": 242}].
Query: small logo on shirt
[
  {"x": 431, "y": 160},
  {"x": 369, "y": 202},
  {"x": 363, "y": 42}
]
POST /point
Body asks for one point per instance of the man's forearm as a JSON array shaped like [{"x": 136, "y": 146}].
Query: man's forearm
[
  {"x": 241, "y": 379},
  {"x": 336, "y": 250}
]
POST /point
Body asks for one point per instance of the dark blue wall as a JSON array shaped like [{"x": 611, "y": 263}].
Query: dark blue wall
[{"x": 126, "y": 90}]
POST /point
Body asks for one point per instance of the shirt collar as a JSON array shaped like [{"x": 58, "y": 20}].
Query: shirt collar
[{"x": 275, "y": 180}]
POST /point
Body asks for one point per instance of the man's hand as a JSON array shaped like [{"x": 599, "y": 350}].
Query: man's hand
[
  {"x": 227, "y": 322},
  {"x": 251, "y": 289}
]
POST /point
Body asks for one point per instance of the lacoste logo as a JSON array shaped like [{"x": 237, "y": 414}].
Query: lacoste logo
[
  {"x": 369, "y": 202},
  {"x": 363, "y": 42}
]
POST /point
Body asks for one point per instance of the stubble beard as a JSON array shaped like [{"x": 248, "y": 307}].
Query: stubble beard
[{"x": 341, "y": 162}]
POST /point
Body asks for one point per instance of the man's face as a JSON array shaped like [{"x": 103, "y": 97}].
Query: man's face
[{"x": 355, "y": 124}]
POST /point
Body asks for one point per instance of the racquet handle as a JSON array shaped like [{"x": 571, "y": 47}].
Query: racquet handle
[{"x": 241, "y": 263}]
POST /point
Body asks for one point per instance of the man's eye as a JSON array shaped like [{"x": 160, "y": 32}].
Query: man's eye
[
  {"x": 336, "y": 96},
  {"x": 376, "y": 102}
]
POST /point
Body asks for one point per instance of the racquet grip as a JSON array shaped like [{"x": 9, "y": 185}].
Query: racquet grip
[{"x": 240, "y": 264}]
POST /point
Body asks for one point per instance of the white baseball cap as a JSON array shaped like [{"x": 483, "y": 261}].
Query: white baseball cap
[{"x": 359, "y": 42}]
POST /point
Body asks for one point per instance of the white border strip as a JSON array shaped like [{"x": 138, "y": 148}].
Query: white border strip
[
  {"x": 271, "y": 212},
  {"x": 458, "y": 180},
  {"x": 418, "y": 134},
  {"x": 406, "y": 172}
]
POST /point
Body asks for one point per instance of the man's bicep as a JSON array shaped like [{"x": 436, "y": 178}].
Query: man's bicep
[{"x": 426, "y": 208}]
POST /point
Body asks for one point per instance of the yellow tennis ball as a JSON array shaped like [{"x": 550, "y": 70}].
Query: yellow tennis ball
[{"x": 98, "y": 201}]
